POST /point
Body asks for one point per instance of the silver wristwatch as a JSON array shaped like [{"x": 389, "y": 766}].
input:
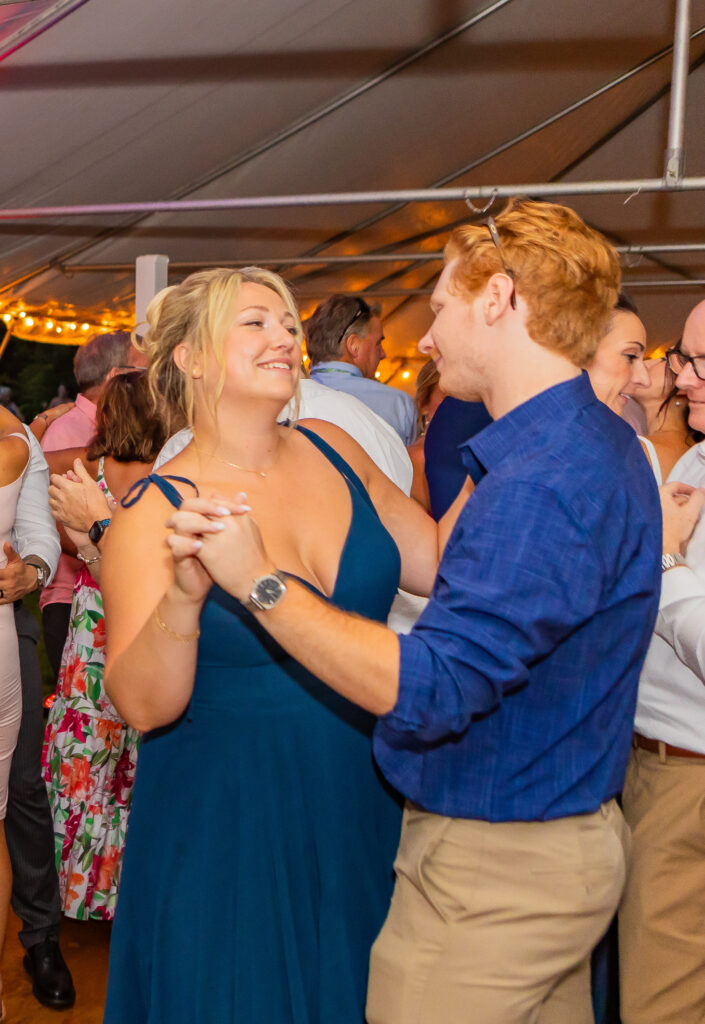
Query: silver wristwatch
[
  {"x": 670, "y": 561},
  {"x": 267, "y": 591},
  {"x": 43, "y": 572}
]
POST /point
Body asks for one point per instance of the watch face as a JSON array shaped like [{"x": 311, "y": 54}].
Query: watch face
[
  {"x": 268, "y": 590},
  {"x": 97, "y": 530}
]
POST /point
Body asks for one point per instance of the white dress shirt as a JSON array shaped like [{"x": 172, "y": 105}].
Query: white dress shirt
[
  {"x": 671, "y": 704},
  {"x": 34, "y": 532}
]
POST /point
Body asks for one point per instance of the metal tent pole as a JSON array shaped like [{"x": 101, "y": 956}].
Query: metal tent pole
[
  {"x": 675, "y": 154},
  {"x": 362, "y": 257},
  {"x": 486, "y": 193}
]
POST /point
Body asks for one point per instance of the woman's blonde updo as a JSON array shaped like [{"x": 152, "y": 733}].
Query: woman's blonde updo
[{"x": 198, "y": 312}]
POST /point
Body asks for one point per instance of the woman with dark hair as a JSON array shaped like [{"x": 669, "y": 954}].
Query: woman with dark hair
[
  {"x": 90, "y": 754},
  {"x": 668, "y": 435},
  {"x": 428, "y": 397}
]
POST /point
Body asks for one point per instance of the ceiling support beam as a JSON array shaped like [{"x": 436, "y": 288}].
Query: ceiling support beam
[
  {"x": 390, "y": 257},
  {"x": 478, "y": 193}
]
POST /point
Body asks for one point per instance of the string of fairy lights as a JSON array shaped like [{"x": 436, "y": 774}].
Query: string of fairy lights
[
  {"x": 66, "y": 326},
  {"x": 57, "y": 326}
]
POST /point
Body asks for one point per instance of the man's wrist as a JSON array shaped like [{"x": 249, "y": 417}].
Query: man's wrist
[
  {"x": 41, "y": 569},
  {"x": 671, "y": 545}
]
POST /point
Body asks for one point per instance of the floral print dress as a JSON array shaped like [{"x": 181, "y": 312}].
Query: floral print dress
[{"x": 88, "y": 762}]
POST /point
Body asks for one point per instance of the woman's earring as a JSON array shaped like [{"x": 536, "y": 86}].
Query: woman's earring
[{"x": 677, "y": 402}]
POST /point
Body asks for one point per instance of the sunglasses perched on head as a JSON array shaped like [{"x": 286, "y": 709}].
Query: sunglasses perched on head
[
  {"x": 494, "y": 235},
  {"x": 362, "y": 310}
]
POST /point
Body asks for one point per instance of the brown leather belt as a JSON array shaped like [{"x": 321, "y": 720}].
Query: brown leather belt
[{"x": 655, "y": 747}]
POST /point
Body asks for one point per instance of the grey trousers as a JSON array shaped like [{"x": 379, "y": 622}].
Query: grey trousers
[{"x": 28, "y": 826}]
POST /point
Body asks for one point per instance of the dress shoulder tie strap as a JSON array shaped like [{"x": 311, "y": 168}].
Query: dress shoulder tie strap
[{"x": 162, "y": 483}]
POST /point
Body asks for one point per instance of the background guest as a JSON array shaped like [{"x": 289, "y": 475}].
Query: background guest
[
  {"x": 454, "y": 422},
  {"x": 344, "y": 341},
  {"x": 90, "y": 754},
  {"x": 14, "y": 459},
  {"x": 428, "y": 397},
  {"x": 32, "y": 557},
  {"x": 668, "y": 433},
  {"x": 661, "y": 938},
  {"x": 94, "y": 363}
]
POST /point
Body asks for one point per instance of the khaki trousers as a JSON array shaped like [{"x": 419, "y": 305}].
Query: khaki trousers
[
  {"x": 662, "y": 916},
  {"x": 495, "y": 923}
]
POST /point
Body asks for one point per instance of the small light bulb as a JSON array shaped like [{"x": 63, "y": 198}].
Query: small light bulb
[
  {"x": 50, "y": 325},
  {"x": 22, "y": 313},
  {"x": 72, "y": 327},
  {"x": 84, "y": 327},
  {"x": 58, "y": 330},
  {"x": 6, "y": 317},
  {"x": 29, "y": 321},
  {"x": 406, "y": 375},
  {"x": 377, "y": 374}
]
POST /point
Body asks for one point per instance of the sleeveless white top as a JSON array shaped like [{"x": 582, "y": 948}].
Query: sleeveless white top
[{"x": 653, "y": 458}]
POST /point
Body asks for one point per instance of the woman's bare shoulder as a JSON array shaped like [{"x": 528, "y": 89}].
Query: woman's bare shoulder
[{"x": 14, "y": 456}]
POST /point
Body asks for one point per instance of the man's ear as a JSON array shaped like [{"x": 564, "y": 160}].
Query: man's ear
[
  {"x": 352, "y": 346},
  {"x": 497, "y": 298},
  {"x": 186, "y": 362}
]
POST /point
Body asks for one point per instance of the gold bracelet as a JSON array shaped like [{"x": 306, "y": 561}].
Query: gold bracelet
[{"x": 182, "y": 638}]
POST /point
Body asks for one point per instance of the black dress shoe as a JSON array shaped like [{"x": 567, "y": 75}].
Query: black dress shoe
[{"x": 46, "y": 966}]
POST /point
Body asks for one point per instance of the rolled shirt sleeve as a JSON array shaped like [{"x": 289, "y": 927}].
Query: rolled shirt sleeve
[{"x": 34, "y": 532}]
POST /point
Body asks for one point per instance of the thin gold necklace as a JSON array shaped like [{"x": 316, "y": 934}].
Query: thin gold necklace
[{"x": 257, "y": 472}]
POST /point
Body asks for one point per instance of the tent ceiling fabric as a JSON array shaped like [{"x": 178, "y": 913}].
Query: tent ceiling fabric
[{"x": 172, "y": 99}]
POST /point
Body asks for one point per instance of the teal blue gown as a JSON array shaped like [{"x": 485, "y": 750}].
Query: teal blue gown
[{"x": 260, "y": 846}]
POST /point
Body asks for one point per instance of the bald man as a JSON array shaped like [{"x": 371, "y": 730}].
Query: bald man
[{"x": 661, "y": 920}]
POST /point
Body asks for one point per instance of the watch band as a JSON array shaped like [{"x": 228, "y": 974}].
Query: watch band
[
  {"x": 43, "y": 570},
  {"x": 98, "y": 529},
  {"x": 671, "y": 561}
]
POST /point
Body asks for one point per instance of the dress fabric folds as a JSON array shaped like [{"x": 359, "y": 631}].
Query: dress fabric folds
[{"x": 258, "y": 866}]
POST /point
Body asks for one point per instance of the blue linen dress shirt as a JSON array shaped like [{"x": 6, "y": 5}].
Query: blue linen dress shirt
[
  {"x": 394, "y": 406},
  {"x": 518, "y": 684}
]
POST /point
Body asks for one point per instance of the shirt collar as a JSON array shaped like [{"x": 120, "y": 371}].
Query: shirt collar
[
  {"x": 336, "y": 367},
  {"x": 87, "y": 407},
  {"x": 500, "y": 438}
]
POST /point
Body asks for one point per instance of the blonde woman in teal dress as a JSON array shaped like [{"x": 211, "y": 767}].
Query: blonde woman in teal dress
[{"x": 259, "y": 859}]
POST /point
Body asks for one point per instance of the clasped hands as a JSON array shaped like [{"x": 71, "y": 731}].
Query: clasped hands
[
  {"x": 216, "y": 540},
  {"x": 682, "y": 507}
]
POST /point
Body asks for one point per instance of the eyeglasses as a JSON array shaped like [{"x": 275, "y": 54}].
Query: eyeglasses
[
  {"x": 494, "y": 235},
  {"x": 677, "y": 361},
  {"x": 362, "y": 310}
]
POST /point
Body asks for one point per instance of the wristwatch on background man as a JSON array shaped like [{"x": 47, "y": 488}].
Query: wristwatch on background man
[
  {"x": 43, "y": 571},
  {"x": 98, "y": 529},
  {"x": 672, "y": 561}
]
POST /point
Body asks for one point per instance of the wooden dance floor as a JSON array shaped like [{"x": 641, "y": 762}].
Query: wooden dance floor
[{"x": 85, "y": 948}]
